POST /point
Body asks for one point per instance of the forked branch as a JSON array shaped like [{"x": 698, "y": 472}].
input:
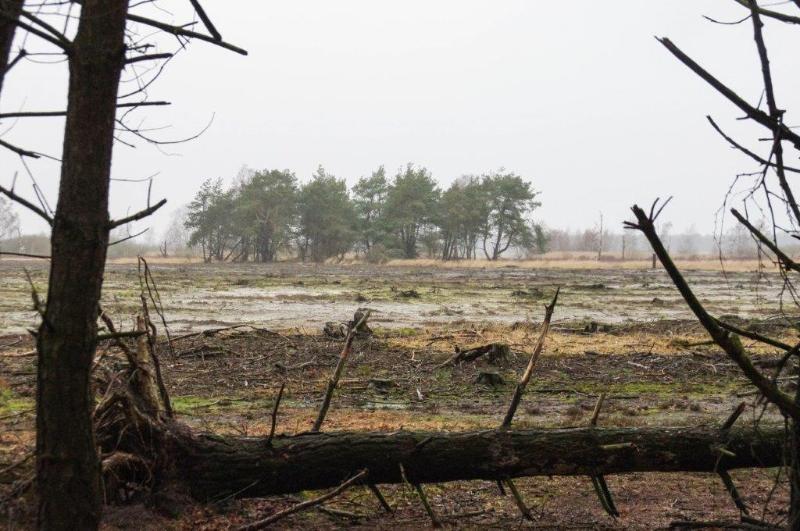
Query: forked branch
[
  {"x": 784, "y": 259},
  {"x": 757, "y": 115},
  {"x": 727, "y": 341},
  {"x": 27, "y": 204},
  {"x": 183, "y": 32},
  {"x": 746, "y": 151},
  {"x": 777, "y": 15}
]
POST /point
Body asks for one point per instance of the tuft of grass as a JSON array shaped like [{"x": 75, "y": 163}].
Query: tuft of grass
[{"x": 11, "y": 403}]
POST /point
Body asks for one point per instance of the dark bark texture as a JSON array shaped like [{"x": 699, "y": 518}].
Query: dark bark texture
[
  {"x": 68, "y": 469},
  {"x": 10, "y": 10},
  {"x": 214, "y": 467}
]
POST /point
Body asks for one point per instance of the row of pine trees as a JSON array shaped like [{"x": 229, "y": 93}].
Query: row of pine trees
[{"x": 266, "y": 215}]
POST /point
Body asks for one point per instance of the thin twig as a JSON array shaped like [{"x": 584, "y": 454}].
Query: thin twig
[
  {"x": 744, "y": 150},
  {"x": 24, "y": 255},
  {"x": 261, "y": 524},
  {"x": 787, "y": 262},
  {"x": 518, "y": 499},
  {"x": 379, "y": 495},
  {"x": 274, "y": 421},
  {"x": 730, "y": 486},
  {"x": 53, "y": 114},
  {"x": 425, "y": 503}
]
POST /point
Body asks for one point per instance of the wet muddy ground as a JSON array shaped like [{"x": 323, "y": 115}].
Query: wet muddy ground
[
  {"x": 623, "y": 333},
  {"x": 292, "y": 295}
]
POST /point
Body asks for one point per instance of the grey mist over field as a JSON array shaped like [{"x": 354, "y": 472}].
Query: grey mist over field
[{"x": 576, "y": 96}]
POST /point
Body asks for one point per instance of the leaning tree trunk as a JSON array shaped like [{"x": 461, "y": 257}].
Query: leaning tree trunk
[
  {"x": 68, "y": 470},
  {"x": 10, "y": 12}
]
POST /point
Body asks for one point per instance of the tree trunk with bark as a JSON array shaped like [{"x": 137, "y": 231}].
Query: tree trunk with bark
[
  {"x": 214, "y": 467},
  {"x": 794, "y": 472},
  {"x": 10, "y": 12},
  {"x": 68, "y": 469}
]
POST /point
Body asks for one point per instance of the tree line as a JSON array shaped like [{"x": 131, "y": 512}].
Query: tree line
[{"x": 266, "y": 214}]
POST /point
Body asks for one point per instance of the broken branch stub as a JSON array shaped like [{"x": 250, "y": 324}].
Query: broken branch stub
[
  {"x": 337, "y": 373},
  {"x": 537, "y": 350}
]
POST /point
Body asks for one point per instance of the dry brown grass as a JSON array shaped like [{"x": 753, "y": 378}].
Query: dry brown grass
[
  {"x": 560, "y": 341},
  {"x": 177, "y": 260},
  {"x": 552, "y": 260},
  {"x": 706, "y": 264}
]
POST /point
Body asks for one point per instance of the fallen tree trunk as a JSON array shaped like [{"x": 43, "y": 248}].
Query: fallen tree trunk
[
  {"x": 215, "y": 467},
  {"x": 133, "y": 423}
]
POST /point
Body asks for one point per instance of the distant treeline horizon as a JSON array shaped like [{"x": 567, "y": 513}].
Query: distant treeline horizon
[{"x": 267, "y": 215}]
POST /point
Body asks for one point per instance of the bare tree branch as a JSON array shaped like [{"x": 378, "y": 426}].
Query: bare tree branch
[
  {"x": 139, "y": 215},
  {"x": 18, "y": 150},
  {"x": 526, "y": 376},
  {"x": 27, "y": 204},
  {"x": 729, "y": 343},
  {"x": 24, "y": 255},
  {"x": 777, "y": 15},
  {"x": 206, "y": 21},
  {"x": 51, "y": 114},
  {"x": 774, "y": 112},
  {"x": 65, "y": 42},
  {"x": 66, "y": 46},
  {"x": 148, "y": 57},
  {"x": 787, "y": 262},
  {"x": 183, "y": 32},
  {"x": 129, "y": 237},
  {"x": 766, "y": 73},
  {"x": 756, "y": 114},
  {"x": 755, "y": 336},
  {"x": 746, "y": 151}
]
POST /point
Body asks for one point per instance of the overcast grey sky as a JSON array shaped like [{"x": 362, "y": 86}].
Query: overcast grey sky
[{"x": 576, "y": 96}]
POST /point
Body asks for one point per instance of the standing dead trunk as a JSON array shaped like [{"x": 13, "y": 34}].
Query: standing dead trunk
[
  {"x": 68, "y": 469},
  {"x": 794, "y": 471},
  {"x": 10, "y": 10}
]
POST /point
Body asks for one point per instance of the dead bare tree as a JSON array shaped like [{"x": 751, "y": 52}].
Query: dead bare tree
[
  {"x": 772, "y": 196},
  {"x": 106, "y": 41},
  {"x": 68, "y": 469}
]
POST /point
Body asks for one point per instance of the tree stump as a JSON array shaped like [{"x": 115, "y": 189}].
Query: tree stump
[{"x": 492, "y": 379}]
